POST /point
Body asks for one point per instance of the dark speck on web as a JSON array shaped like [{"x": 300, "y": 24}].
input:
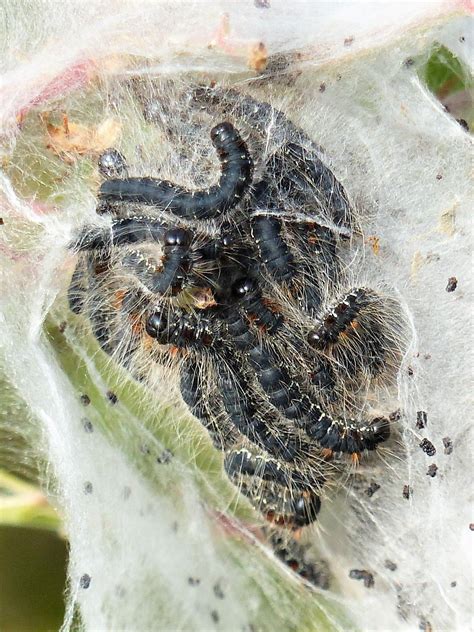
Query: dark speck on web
[
  {"x": 448, "y": 445},
  {"x": 452, "y": 284},
  {"x": 87, "y": 425},
  {"x": 85, "y": 399},
  {"x": 112, "y": 397},
  {"x": 427, "y": 447},
  {"x": 126, "y": 491},
  {"x": 194, "y": 581},
  {"x": 391, "y": 566},
  {"x": 395, "y": 416},
  {"x": 165, "y": 457},
  {"x": 371, "y": 489},
  {"x": 367, "y": 577},
  {"x": 421, "y": 419},
  {"x": 85, "y": 581}
]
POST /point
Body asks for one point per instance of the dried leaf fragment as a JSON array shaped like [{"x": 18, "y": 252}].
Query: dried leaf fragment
[
  {"x": 258, "y": 57},
  {"x": 74, "y": 138},
  {"x": 447, "y": 221},
  {"x": 374, "y": 242},
  {"x": 416, "y": 263}
]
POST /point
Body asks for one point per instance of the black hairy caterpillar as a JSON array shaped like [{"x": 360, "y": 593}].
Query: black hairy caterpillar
[
  {"x": 299, "y": 509},
  {"x": 241, "y": 460},
  {"x": 352, "y": 437},
  {"x": 236, "y": 165},
  {"x": 339, "y": 319},
  {"x": 250, "y": 298},
  {"x": 317, "y": 247},
  {"x": 122, "y": 232},
  {"x": 304, "y": 503},
  {"x": 169, "y": 274},
  {"x": 279, "y": 502},
  {"x": 272, "y": 249},
  {"x": 354, "y": 334},
  {"x": 308, "y": 173},
  {"x": 293, "y": 554},
  {"x": 200, "y": 331},
  {"x": 314, "y": 249},
  {"x": 183, "y": 329},
  {"x": 186, "y": 330},
  {"x": 267, "y": 233},
  {"x": 261, "y": 361},
  {"x": 174, "y": 267},
  {"x": 182, "y": 257}
]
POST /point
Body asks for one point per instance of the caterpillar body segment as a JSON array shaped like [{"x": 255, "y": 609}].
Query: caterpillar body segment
[{"x": 236, "y": 175}]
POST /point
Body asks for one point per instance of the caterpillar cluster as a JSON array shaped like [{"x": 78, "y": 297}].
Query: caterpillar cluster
[{"x": 238, "y": 291}]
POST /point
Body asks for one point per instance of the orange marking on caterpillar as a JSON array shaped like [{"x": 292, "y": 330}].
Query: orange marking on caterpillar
[
  {"x": 117, "y": 300},
  {"x": 355, "y": 458},
  {"x": 137, "y": 324},
  {"x": 148, "y": 342},
  {"x": 271, "y": 304},
  {"x": 297, "y": 533},
  {"x": 174, "y": 351}
]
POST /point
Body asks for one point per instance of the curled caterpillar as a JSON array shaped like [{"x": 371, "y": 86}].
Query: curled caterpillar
[
  {"x": 299, "y": 166},
  {"x": 236, "y": 165},
  {"x": 174, "y": 267}
]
